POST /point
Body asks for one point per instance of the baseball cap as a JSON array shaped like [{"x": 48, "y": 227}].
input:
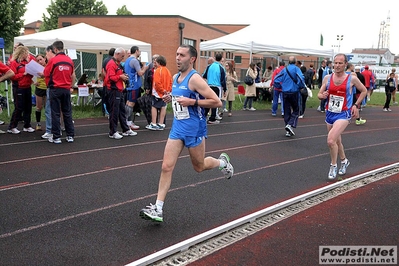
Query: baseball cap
[
  {"x": 357, "y": 67},
  {"x": 366, "y": 67}
]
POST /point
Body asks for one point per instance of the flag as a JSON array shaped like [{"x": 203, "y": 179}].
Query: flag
[{"x": 321, "y": 39}]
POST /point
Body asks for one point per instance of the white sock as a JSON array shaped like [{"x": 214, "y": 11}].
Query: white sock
[
  {"x": 344, "y": 161},
  {"x": 222, "y": 164},
  {"x": 159, "y": 204}
]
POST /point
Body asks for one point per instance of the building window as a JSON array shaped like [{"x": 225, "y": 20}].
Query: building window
[
  {"x": 237, "y": 59},
  {"x": 189, "y": 42}
]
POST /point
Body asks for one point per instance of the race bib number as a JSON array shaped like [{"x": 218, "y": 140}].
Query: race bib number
[
  {"x": 335, "y": 104},
  {"x": 180, "y": 112}
]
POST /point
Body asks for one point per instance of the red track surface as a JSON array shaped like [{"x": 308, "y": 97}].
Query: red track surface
[{"x": 365, "y": 216}]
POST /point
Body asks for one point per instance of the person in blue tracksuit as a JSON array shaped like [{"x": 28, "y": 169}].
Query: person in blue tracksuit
[{"x": 290, "y": 80}]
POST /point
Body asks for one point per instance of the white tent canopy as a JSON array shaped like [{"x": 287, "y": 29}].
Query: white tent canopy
[
  {"x": 264, "y": 41},
  {"x": 84, "y": 38}
]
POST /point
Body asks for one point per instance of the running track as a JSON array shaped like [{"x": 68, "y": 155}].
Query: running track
[{"x": 78, "y": 204}]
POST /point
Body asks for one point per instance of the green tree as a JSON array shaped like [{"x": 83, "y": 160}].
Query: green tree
[
  {"x": 11, "y": 23},
  {"x": 123, "y": 11},
  {"x": 71, "y": 7}
]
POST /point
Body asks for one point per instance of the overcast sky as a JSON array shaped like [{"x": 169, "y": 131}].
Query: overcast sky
[{"x": 358, "y": 22}]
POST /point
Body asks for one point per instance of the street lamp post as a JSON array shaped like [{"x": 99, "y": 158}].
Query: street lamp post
[{"x": 339, "y": 39}]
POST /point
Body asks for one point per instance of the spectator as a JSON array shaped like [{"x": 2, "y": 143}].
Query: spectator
[
  {"x": 104, "y": 95},
  {"x": 40, "y": 92},
  {"x": 321, "y": 108},
  {"x": 162, "y": 85},
  {"x": 368, "y": 78},
  {"x": 22, "y": 91},
  {"x": 268, "y": 74},
  {"x": 396, "y": 85},
  {"x": 231, "y": 77},
  {"x": 277, "y": 91},
  {"x": 359, "y": 120},
  {"x": 134, "y": 71},
  {"x": 115, "y": 78},
  {"x": 290, "y": 79},
  {"x": 5, "y": 73},
  {"x": 216, "y": 79},
  {"x": 61, "y": 80},
  {"x": 390, "y": 86},
  {"x": 47, "y": 109},
  {"x": 250, "y": 91}
]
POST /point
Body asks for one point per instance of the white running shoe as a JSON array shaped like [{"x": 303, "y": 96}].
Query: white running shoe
[
  {"x": 129, "y": 133},
  {"x": 116, "y": 135},
  {"x": 47, "y": 135},
  {"x": 228, "y": 170},
  {"x": 151, "y": 213},
  {"x": 13, "y": 130},
  {"x": 28, "y": 129},
  {"x": 332, "y": 174}
]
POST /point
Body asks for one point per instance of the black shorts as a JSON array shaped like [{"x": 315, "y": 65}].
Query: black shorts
[
  {"x": 157, "y": 102},
  {"x": 40, "y": 92}
]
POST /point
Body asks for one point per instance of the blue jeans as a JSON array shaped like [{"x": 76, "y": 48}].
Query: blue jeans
[
  {"x": 277, "y": 94},
  {"x": 47, "y": 112},
  {"x": 248, "y": 102}
]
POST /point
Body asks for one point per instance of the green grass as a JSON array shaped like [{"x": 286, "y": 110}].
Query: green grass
[{"x": 88, "y": 111}]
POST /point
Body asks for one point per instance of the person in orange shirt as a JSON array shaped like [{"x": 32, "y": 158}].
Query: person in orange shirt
[{"x": 161, "y": 85}]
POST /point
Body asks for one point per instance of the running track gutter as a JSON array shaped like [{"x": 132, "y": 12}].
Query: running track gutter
[{"x": 186, "y": 244}]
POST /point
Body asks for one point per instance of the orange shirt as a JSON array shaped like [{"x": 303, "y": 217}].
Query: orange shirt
[{"x": 162, "y": 81}]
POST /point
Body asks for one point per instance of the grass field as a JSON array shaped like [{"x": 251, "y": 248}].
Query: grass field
[{"x": 377, "y": 99}]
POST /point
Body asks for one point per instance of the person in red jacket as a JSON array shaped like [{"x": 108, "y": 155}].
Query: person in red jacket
[
  {"x": 60, "y": 76},
  {"x": 368, "y": 79},
  {"x": 277, "y": 93},
  {"x": 115, "y": 80},
  {"x": 5, "y": 73},
  {"x": 22, "y": 91}
]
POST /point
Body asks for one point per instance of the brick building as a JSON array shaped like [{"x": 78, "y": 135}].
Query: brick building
[{"x": 163, "y": 32}]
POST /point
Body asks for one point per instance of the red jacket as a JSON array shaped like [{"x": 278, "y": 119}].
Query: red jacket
[
  {"x": 20, "y": 79},
  {"x": 275, "y": 72},
  {"x": 59, "y": 71},
  {"x": 112, "y": 77},
  {"x": 368, "y": 76}
]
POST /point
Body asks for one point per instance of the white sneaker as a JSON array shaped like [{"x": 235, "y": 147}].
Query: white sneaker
[
  {"x": 161, "y": 126},
  {"x": 133, "y": 126},
  {"x": 47, "y": 135},
  {"x": 251, "y": 109},
  {"x": 218, "y": 117},
  {"x": 28, "y": 129},
  {"x": 129, "y": 133},
  {"x": 116, "y": 135},
  {"x": 137, "y": 114},
  {"x": 13, "y": 130}
]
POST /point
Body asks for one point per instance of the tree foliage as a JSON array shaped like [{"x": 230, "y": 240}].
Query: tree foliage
[
  {"x": 123, "y": 11},
  {"x": 11, "y": 23},
  {"x": 71, "y": 7}
]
